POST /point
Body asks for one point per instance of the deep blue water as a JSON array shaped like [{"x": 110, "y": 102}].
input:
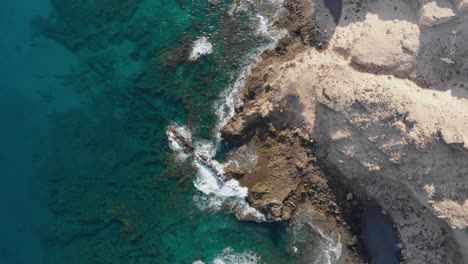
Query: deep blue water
[
  {"x": 87, "y": 90},
  {"x": 26, "y": 77}
]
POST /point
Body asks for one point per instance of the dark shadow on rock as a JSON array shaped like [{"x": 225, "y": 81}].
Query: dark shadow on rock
[
  {"x": 438, "y": 60},
  {"x": 335, "y": 8},
  {"x": 370, "y": 186}
]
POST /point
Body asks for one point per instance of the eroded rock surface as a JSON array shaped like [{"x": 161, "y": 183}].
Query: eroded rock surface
[{"x": 387, "y": 105}]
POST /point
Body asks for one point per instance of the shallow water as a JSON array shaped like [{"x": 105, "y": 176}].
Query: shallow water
[{"x": 87, "y": 91}]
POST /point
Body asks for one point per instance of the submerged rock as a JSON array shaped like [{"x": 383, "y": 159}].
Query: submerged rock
[{"x": 291, "y": 250}]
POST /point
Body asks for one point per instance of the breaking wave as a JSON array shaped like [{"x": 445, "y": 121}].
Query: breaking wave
[
  {"x": 215, "y": 192},
  {"x": 175, "y": 145},
  {"x": 264, "y": 14},
  {"x": 326, "y": 247},
  {"x": 201, "y": 47},
  {"x": 229, "y": 256}
]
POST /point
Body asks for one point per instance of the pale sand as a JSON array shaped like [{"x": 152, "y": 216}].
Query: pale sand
[{"x": 387, "y": 103}]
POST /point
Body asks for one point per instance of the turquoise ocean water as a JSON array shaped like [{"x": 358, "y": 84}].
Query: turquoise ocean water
[{"x": 87, "y": 91}]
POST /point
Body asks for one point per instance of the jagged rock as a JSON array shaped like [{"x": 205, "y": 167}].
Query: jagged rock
[
  {"x": 275, "y": 209},
  {"x": 234, "y": 173},
  {"x": 352, "y": 242},
  {"x": 434, "y": 13},
  {"x": 463, "y": 6},
  {"x": 385, "y": 111},
  {"x": 291, "y": 250}
]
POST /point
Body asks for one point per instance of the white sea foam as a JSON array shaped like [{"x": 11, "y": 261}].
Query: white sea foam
[
  {"x": 326, "y": 247},
  {"x": 229, "y": 256},
  {"x": 331, "y": 248},
  {"x": 265, "y": 15},
  {"x": 225, "y": 108},
  {"x": 174, "y": 144},
  {"x": 244, "y": 158},
  {"x": 266, "y": 28},
  {"x": 201, "y": 47},
  {"x": 215, "y": 192}
]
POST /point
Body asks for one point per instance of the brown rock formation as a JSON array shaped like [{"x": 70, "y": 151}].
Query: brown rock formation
[{"x": 386, "y": 104}]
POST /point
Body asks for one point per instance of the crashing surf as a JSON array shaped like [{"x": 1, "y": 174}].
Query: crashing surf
[
  {"x": 201, "y": 47},
  {"x": 215, "y": 191},
  {"x": 229, "y": 256}
]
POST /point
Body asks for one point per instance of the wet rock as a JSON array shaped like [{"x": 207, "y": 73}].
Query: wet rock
[
  {"x": 349, "y": 197},
  {"x": 275, "y": 209},
  {"x": 352, "y": 242},
  {"x": 234, "y": 173},
  {"x": 287, "y": 212},
  {"x": 291, "y": 250}
]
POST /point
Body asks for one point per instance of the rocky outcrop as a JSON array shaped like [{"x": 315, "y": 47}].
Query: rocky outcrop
[
  {"x": 433, "y": 13},
  {"x": 387, "y": 105}
]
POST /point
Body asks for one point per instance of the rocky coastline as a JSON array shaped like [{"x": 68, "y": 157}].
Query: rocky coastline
[{"x": 353, "y": 106}]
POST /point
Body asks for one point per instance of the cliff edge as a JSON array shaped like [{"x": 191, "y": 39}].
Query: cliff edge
[{"x": 380, "y": 92}]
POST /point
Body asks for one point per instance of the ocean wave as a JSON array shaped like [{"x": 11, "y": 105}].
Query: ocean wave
[
  {"x": 332, "y": 248},
  {"x": 243, "y": 158},
  {"x": 225, "y": 108},
  {"x": 229, "y": 256},
  {"x": 180, "y": 151},
  {"x": 326, "y": 248},
  {"x": 201, "y": 47},
  {"x": 215, "y": 192},
  {"x": 265, "y": 14},
  {"x": 219, "y": 195}
]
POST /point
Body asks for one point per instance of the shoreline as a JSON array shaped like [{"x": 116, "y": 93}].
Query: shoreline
[
  {"x": 274, "y": 110},
  {"x": 341, "y": 215}
]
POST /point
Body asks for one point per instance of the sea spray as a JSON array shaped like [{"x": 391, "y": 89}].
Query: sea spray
[
  {"x": 177, "y": 147},
  {"x": 229, "y": 256},
  {"x": 264, "y": 14},
  {"x": 143, "y": 192},
  {"x": 215, "y": 192},
  {"x": 243, "y": 158},
  {"x": 316, "y": 242},
  {"x": 331, "y": 247},
  {"x": 201, "y": 47}
]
